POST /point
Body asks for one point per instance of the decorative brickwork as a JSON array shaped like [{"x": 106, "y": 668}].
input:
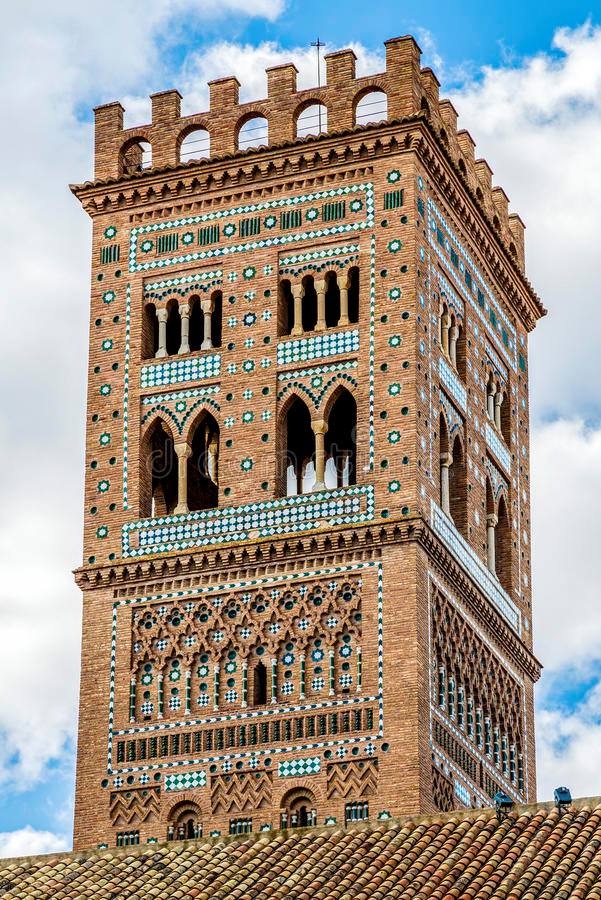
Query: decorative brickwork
[
  {"x": 131, "y": 808},
  {"x": 240, "y": 791},
  {"x": 353, "y": 779},
  {"x": 306, "y": 564}
]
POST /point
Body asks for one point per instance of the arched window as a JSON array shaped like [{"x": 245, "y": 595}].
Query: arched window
[
  {"x": 158, "y": 476},
  {"x": 353, "y": 294},
  {"x": 503, "y": 546},
  {"x": 195, "y": 327},
  {"x": 185, "y": 822},
  {"x": 332, "y": 300},
  {"x": 312, "y": 120},
  {"x": 203, "y": 464},
  {"x": 259, "y": 688},
  {"x": 309, "y": 303},
  {"x": 150, "y": 332},
  {"x": 253, "y": 133},
  {"x": 135, "y": 156},
  {"x": 298, "y": 450},
  {"x": 491, "y": 524},
  {"x": 458, "y": 488},
  {"x": 174, "y": 328},
  {"x": 372, "y": 107},
  {"x": 341, "y": 442},
  {"x": 298, "y": 809},
  {"x": 505, "y": 418},
  {"x": 196, "y": 145},
  {"x": 445, "y": 462},
  {"x": 216, "y": 318},
  {"x": 285, "y": 307}
]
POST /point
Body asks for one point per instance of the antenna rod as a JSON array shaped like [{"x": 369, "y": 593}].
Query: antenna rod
[{"x": 318, "y": 45}]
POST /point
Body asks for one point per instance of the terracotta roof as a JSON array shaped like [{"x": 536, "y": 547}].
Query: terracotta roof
[{"x": 535, "y": 853}]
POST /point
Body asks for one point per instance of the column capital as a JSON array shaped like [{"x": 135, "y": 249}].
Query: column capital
[
  {"x": 183, "y": 449},
  {"x": 207, "y": 305},
  {"x": 446, "y": 459},
  {"x": 184, "y": 310},
  {"x": 343, "y": 280},
  {"x": 319, "y": 426},
  {"x": 492, "y": 520},
  {"x": 162, "y": 314},
  {"x": 298, "y": 289},
  {"x": 498, "y": 398},
  {"x": 320, "y": 286}
]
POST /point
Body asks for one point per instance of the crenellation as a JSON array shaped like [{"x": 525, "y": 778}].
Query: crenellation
[
  {"x": 431, "y": 92},
  {"x": 340, "y": 68},
  {"x": 281, "y": 81},
  {"x": 517, "y": 228}
]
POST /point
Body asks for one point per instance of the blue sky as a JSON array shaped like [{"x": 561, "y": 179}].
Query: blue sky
[{"x": 526, "y": 79}]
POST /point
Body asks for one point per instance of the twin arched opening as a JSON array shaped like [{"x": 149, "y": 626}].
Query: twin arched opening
[
  {"x": 452, "y": 338},
  {"x": 317, "y": 454},
  {"x": 497, "y": 407},
  {"x": 186, "y": 327},
  {"x": 185, "y": 822},
  {"x": 316, "y": 304},
  {"x": 498, "y": 537},
  {"x": 298, "y": 809},
  {"x": 453, "y": 478},
  {"x": 183, "y": 476}
]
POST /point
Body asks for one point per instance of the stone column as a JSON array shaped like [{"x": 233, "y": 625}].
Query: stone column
[
  {"x": 207, "y": 309},
  {"x": 320, "y": 288},
  {"x": 184, "y": 451},
  {"x": 446, "y": 324},
  {"x": 490, "y": 400},
  {"x": 343, "y": 284},
  {"x": 498, "y": 402},
  {"x": 245, "y": 683},
  {"x": 298, "y": 292},
  {"x": 162, "y": 319},
  {"x": 274, "y": 681},
  {"x": 319, "y": 427},
  {"x": 184, "y": 312},
  {"x": 446, "y": 461},
  {"x": 453, "y": 337},
  {"x": 213, "y": 451},
  {"x": 491, "y": 524}
]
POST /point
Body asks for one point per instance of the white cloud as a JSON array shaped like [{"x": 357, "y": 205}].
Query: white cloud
[
  {"x": 569, "y": 748},
  {"x": 566, "y": 487},
  {"x": 248, "y": 63},
  {"x": 30, "y": 842},
  {"x": 538, "y": 122}
]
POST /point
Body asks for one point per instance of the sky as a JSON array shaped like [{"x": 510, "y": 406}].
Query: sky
[{"x": 526, "y": 80}]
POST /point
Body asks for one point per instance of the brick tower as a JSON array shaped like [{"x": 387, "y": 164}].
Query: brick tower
[{"x": 307, "y": 507}]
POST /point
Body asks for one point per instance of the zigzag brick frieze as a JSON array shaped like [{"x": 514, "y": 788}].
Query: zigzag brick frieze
[
  {"x": 131, "y": 808},
  {"x": 240, "y": 791},
  {"x": 352, "y": 779}
]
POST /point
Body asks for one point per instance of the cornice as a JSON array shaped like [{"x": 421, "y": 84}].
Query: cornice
[{"x": 336, "y": 546}]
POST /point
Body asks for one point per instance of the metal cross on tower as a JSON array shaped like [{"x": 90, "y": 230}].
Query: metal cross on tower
[{"x": 318, "y": 45}]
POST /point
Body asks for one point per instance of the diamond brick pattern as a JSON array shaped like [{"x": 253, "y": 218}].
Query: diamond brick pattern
[
  {"x": 184, "y": 781},
  {"x": 306, "y": 349},
  {"x": 292, "y": 768},
  {"x": 178, "y": 371}
]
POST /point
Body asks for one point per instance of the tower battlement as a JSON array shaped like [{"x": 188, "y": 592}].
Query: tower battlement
[{"x": 409, "y": 91}]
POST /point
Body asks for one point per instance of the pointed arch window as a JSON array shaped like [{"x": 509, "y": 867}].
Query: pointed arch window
[{"x": 203, "y": 465}]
